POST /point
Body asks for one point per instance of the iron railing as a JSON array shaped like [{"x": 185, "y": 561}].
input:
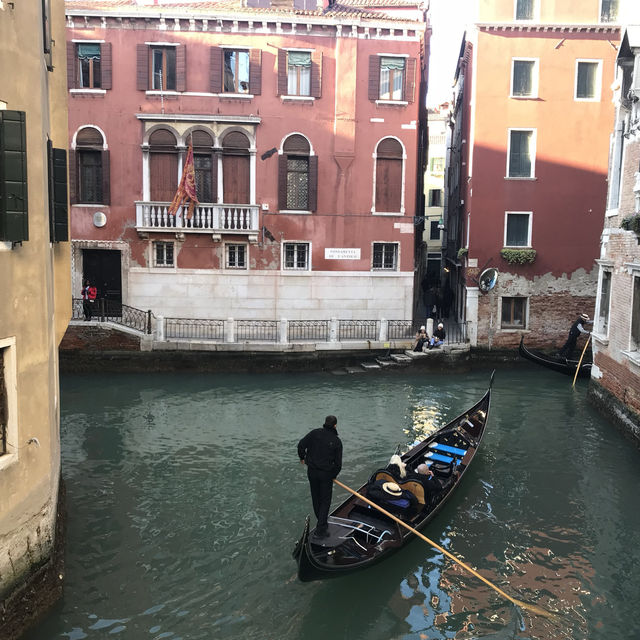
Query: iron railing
[
  {"x": 358, "y": 329},
  {"x": 313, "y": 330},
  {"x": 402, "y": 329},
  {"x": 103, "y": 310},
  {"x": 257, "y": 330},
  {"x": 456, "y": 332},
  {"x": 185, "y": 328}
]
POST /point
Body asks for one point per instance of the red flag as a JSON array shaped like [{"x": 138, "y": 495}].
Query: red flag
[{"x": 187, "y": 188}]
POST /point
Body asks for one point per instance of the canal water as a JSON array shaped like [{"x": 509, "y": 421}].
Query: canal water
[{"x": 185, "y": 497}]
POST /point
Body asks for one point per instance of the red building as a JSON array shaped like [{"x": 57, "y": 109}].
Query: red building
[
  {"x": 305, "y": 124},
  {"x": 528, "y": 175}
]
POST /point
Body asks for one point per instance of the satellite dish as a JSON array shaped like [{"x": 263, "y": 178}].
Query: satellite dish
[{"x": 488, "y": 279}]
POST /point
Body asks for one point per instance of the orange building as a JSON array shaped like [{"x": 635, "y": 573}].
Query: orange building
[{"x": 527, "y": 191}]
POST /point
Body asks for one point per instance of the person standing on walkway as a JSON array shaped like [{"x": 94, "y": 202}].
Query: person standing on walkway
[
  {"x": 321, "y": 451},
  {"x": 574, "y": 333},
  {"x": 89, "y": 293}
]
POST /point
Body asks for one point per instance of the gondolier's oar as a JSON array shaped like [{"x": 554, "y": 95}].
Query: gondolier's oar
[
  {"x": 531, "y": 607},
  {"x": 586, "y": 344}
]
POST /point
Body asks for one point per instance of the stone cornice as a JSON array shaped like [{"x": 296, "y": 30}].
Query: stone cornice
[
  {"x": 543, "y": 28},
  {"x": 184, "y": 117}
]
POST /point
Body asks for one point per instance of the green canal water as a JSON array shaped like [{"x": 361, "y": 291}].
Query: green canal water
[{"x": 185, "y": 498}]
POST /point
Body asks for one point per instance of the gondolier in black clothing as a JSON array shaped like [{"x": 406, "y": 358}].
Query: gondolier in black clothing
[
  {"x": 321, "y": 451},
  {"x": 574, "y": 333}
]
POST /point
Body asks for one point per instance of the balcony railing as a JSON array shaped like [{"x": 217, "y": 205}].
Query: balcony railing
[{"x": 206, "y": 218}]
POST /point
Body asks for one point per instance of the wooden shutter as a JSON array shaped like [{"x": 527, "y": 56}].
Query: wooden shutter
[
  {"x": 282, "y": 181},
  {"x": 105, "y": 65},
  {"x": 181, "y": 68},
  {"x": 236, "y": 179},
  {"x": 282, "y": 73},
  {"x": 374, "y": 77},
  {"x": 410, "y": 80},
  {"x": 388, "y": 185},
  {"x": 73, "y": 189},
  {"x": 58, "y": 207},
  {"x": 316, "y": 74},
  {"x": 14, "y": 221},
  {"x": 215, "y": 78},
  {"x": 163, "y": 170},
  {"x": 106, "y": 178},
  {"x": 313, "y": 183},
  {"x": 142, "y": 77},
  {"x": 255, "y": 72},
  {"x": 71, "y": 65}
]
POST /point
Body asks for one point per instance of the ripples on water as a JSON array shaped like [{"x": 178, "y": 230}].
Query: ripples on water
[{"x": 185, "y": 498}]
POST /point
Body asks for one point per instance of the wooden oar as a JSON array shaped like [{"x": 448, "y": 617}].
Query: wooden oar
[
  {"x": 530, "y": 607},
  {"x": 586, "y": 344}
]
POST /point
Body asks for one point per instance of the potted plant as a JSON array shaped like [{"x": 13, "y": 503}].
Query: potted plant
[{"x": 518, "y": 256}]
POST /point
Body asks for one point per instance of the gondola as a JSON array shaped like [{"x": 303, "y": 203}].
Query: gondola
[
  {"x": 360, "y": 535},
  {"x": 562, "y": 365}
]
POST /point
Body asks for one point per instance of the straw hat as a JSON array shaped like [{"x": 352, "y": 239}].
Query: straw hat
[{"x": 392, "y": 489}]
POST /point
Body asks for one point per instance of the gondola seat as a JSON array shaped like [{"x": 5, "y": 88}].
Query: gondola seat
[{"x": 409, "y": 485}]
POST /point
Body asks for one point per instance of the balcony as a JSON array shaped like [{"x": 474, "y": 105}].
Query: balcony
[{"x": 215, "y": 219}]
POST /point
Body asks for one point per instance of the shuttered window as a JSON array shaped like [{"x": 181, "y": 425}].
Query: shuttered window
[
  {"x": 392, "y": 78},
  {"x": 235, "y": 71},
  {"x": 89, "y": 65},
  {"x": 58, "y": 207},
  {"x": 163, "y": 166},
  {"x": 89, "y": 181},
  {"x": 161, "y": 68},
  {"x": 388, "y": 176},
  {"x": 236, "y": 169},
  {"x": 299, "y": 73},
  {"x": 14, "y": 225},
  {"x": 298, "y": 176}
]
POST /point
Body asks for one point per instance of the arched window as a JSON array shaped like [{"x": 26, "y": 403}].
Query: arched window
[
  {"x": 236, "y": 168},
  {"x": 205, "y": 166},
  {"x": 163, "y": 166},
  {"x": 90, "y": 162},
  {"x": 388, "y": 176},
  {"x": 298, "y": 175}
]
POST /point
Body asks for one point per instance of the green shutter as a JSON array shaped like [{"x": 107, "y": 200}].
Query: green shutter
[
  {"x": 14, "y": 221},
  {"x": 58, "y": 206}
]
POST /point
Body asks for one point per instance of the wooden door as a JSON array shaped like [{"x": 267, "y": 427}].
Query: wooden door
[
  {"x": 235, "y": 176},
  {"x": 163, "y": 172}
]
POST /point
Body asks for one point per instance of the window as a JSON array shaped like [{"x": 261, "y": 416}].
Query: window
[
  {"x": 435, "y": 197},
  {"x": 603, "y": 308},
  {"x": 89, "y": 66},
  {"x": 524, "y": 9},
  {"x": 635, "y": 315},
  {"x": 236, "y": 71},
  {"x": 236, "y": 168},
  {"x": 298, "y": 176},
  {"x": 434, "y": 264},
  {"x": 517, "y": 230},
  {"x": 296, "y": 255},
  {"x": 524, "y": 78},
  {"x": 236, "y": 256},
  {"x": 163, "y": 254},
  {"x": 163, "y": 165},
  {"x": 161, "y": 67},
  {"x": 521, "y": 154},
  {"x": 14, "y": 222},
  {"x": 587, "y": 80},
  {"x": 391, "y": 78},
  {"x": 436, "y": 165},
  {"x": 299, "y": 73},
  {"x": 58, "y": 209},
  {"x": 514, "y": 312},
  {"x": 385, "y": 255},
  {"x": 205, "y": 166},
  {"x": 609, "y": 11},
  {"x": 434, "y": 230},
  {"x": 389, "y": 177},
  {"x": 91, "y": 162}
]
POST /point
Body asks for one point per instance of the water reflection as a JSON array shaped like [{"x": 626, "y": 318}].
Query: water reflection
[{"x": 185, "y": 498}]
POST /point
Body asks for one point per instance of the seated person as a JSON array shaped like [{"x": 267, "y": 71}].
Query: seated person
[
  {"x": 421, "y": 339},
  {"x": 396, "y": 467},
  {"x": 392, "y": 497},
  {"x": 427, "y": 479},
  {"x": 437, "y": 339}
]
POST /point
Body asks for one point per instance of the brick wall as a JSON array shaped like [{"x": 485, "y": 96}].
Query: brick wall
[
  {"x": 620, "y": 379},
  {"x": 98, "y": 338}
]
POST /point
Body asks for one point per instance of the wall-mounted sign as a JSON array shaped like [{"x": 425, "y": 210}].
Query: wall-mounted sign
[
  {"x": 99, "y": 219},
  {"x": 342, "y": 254}
]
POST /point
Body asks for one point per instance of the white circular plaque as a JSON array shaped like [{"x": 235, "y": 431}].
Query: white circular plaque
[{"x": 99, "y": 219}]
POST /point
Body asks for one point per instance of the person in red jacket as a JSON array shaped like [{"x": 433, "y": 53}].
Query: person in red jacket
[{"x": 89, "y": 294}]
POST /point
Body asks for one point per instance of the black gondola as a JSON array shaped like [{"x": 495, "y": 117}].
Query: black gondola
[
  {"x": 562, "y": 365},
  {"x": 360, "y": 535}
]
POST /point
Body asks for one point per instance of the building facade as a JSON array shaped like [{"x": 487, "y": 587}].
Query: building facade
[
  {"x": 304, "y": 124},
  {"x": 616, "y": 332},
  {"x": 35, "y": 308},
  {"x": 531, "y": 145}
]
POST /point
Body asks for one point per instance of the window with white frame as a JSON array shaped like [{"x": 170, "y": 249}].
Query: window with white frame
[
  {"x": 236, "y": 256},
  {"x": 588, "y": 79},
  {"x": 514, "y": 313},
  {"x": 163, "y": 254},
  {"x": 163, "y": 68},
  {"x": 296, "y": 256},
  {"x": 385, "y": 256},
  {"x": 299, "y": 73},
  {"x": 392, "y": 78},
  {"x": 235, "y": 74},
  {"x": 524, "y": 9},
  {"x": 517, "y": 229},
  {"x": 635, "y": 315},
  {"x": 521, "y": 153},
  {"x": 434, "y": 230},
  {"x": 609, "y": 10},
  {"x": 524, "y": 78},
  {"x": 8, "y": 402},
  {"x": 602, "y": 326}
]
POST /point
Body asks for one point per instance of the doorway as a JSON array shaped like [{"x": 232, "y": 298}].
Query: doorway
[{"x": 102, "y": 267}]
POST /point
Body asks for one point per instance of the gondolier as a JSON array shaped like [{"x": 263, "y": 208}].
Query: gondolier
[
  {"x": 321, "y": 451},
  {"x": 574, "y": 333}
]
